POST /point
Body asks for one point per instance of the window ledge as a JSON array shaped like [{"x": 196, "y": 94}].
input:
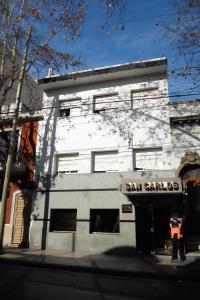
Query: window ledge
[
  {"x": 106, "y": 233},
  {"x": 62, "y": 118},
  {"x": 57, "y": 231}
]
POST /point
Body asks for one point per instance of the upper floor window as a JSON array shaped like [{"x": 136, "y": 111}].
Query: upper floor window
[
  {"x": 69, "y": 107},
  {"x": 138, "y": 97},
  {"x": 105, "y": 102},
  {"x": 64, "y": 112},
  {"x": 68, "y": 163},
  {"x": 105, "y": 161},
  {"x": 147, "y": 159}
]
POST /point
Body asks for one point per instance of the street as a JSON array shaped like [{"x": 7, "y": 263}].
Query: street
[{"x": 29, "y": 283}]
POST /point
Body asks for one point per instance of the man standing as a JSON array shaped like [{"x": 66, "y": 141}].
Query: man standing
[{"x": 176, "y": 232}]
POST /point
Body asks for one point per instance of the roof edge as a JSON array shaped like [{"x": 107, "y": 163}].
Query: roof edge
[{"x": 105, "y": 70}]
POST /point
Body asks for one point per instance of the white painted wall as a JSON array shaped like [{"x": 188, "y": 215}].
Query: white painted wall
[
  {"x": 139, "y": 120},
  {"x": 185, "y": 137},
  {"x": 137, "y": 128}
]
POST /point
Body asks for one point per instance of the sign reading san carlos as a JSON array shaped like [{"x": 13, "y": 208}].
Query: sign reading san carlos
[{"x": 170, "y": 185}]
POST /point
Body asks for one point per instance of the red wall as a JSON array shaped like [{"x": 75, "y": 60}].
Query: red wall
[{"x": 27, "y": 150}]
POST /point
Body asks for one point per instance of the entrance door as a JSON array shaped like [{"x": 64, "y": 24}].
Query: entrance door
[
  {"x": 152, "y": 227},
  {"x": 161, "y": 227},
  {"x": 144, "y": 228},
  {"x": 192, "y": 213},
  {"x": 18, "y": 222},
  {"x": 21, "y": 221}
]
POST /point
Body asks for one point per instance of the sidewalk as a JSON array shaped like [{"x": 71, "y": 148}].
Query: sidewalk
[{"x": 123, "y": 265}]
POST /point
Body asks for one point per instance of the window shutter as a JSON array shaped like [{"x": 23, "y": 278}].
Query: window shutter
[
  {"x": 106, "y": 161},
  {"x": 106, "y": 102},
  {"x": 148, "y": 159},
  {"x": 70, "y": 103},
  {"x": 68, "y": 163},
  {"x": 142, "y": 98}
]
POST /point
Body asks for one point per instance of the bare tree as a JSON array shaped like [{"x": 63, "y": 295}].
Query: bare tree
[
  {"x": 28, "y": 31},
  {"x": 185, "y": 31},
  {"x": 53, "y": 22}
]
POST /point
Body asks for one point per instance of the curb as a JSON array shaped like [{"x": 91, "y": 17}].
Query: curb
[{"x": 177, "y": 276}]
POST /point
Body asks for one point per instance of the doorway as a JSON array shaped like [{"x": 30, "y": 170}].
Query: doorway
[
  {"x": 190, "y": 175},
  {"x": 21, "y": 221},
  {"x": 152, "y": 227},
  {"x": 144, "y": 228},
  {"x": 192, "y": 217},
  {"x": 162, "y": 215}
]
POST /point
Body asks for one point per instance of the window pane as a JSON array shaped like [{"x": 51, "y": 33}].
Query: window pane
[
  {"x": 104, "y": 220},
  {"x": 68, "y": 107},
  {"x": 63, "y": 220},
  {"x": 65, "y": 112}
]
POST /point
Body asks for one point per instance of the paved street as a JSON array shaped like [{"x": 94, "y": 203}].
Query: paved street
[{"x": 20, "y": 282}]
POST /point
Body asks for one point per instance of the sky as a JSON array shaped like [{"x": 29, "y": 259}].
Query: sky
[{"x": 142, "y": 35}]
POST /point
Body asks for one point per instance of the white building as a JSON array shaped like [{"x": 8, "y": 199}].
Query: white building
[{"x": 109, "y": 150}]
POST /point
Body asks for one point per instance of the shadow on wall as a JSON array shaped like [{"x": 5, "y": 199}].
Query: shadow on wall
[
  {"x": 46, "y": 157},
  {"x": 26, "y": 218}
]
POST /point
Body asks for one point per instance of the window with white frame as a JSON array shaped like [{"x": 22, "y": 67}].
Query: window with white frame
[
  {"x": 147, "y": 159},
  {"x": 67, "y": 107},
  {"x": 105, "y": 102},
  {"x": 138, "y": 97},
  {"x": 68, "y": 163},
  {"x": 105, "y": 161}
]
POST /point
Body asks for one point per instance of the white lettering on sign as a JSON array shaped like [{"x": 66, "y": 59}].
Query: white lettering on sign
[
  {"x": 133, "y": 187},
  {"x": 152, "y": 186}
]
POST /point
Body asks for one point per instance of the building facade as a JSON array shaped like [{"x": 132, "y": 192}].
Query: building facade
[
  {"x": 18, "y": 206},
  {"x": 21, "y": 185},
  {"x": 110, "y": 159}
]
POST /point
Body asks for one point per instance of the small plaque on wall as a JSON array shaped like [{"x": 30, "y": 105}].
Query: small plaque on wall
[{"x": 127, "y": 208}]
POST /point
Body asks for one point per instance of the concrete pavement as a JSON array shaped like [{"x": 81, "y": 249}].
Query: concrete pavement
[{"x": 153, "y": 266}]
